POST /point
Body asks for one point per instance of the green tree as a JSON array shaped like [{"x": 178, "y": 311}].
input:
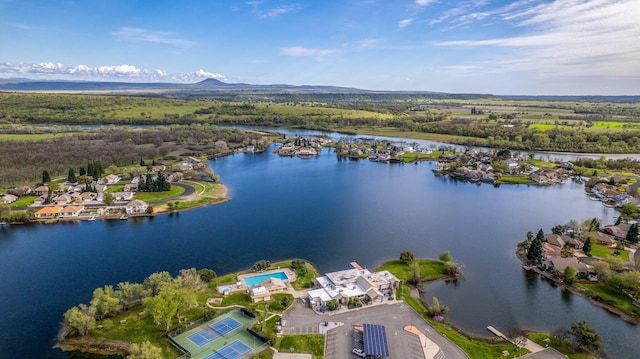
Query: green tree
[
  {"x": 632, "y": 234},
  {"x": 142, "y": 164},
  {"x": 71, "y": 176},
  {"x": 162, "y": 308},
  {"x": 534, "y": 253},
  {"x": 446, "y": 257},
  {"x": 570, "y": 275},
  {"x": 129, "y": 293},
  {"x": 588, "y": 243},
  {"x": 436, "y": 308},
  {"x": 540, "y": 235},
  {"x": 190, "y": 279},
  {"x": 261, "y": 265},
  {"x": 629, "y": 210},
  {"x": 332, "y": 304},
  {"x": 105, "y": 302},
  {"x": 46, "y": 178},
  {"x": 602, "y": 270},
  {"x": 206, "y": 274},
  {"x": 79, "y": 320},
  {"x": 108, "y": 198},
  {"x": 416, "y": 275},
  {"x": 407, "y": 257},
  {"x": 144, "y": 350},
  {"x": 586, "y": 337},
  {"x": 529, "y": 236},
  {"x": 154, "y": 282}
]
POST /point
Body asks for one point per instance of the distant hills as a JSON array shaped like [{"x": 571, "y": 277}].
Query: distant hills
[
  {"x": 216, "y": 88},
  {"x": 209, "y": 84}
]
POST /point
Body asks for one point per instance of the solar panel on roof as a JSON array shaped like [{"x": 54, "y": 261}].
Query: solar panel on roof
[{"x": 375, "y": 340}]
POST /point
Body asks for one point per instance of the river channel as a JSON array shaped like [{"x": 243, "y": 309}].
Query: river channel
[{"x": 329, "y": 211}]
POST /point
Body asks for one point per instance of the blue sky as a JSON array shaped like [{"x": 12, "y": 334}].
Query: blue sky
[{"x": 564, "y": 47}]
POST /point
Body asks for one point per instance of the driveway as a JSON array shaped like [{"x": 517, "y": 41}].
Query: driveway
[{"x": 300, "y": 319}]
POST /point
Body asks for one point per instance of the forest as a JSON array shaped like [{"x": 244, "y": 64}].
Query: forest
[{"x": 23, "y": 161}]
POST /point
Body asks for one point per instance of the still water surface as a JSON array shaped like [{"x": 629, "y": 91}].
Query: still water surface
[{"x": 327, "y": 210}]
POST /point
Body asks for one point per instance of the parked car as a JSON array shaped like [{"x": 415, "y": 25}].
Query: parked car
[{"x": 359, "y": 352}]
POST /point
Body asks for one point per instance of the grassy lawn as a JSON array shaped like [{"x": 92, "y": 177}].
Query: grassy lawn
[
  {"x": 23, "y": 201},
  {"x": 560, "y": 346},
  {"x": 602, "y": 251},
  {"x": 620, "y": 301},
  {"x": 429, "y": 269},
  {"x": 154, "y": 196},
  {"x": 545, "y": 164},
  {"x": 302, "y": 343},
  {"x": 115, "y": 188},
  {"x": 516, "y": 180}
]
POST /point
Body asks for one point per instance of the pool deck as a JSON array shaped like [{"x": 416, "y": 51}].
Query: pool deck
[{"x": 241, "y": 286}]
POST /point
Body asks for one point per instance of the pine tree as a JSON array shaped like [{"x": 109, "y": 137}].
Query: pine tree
[
  {"x": 142, "y": 164},
  {"x": 587, "y": 246},
  {"x": 632, "y": 235},
  {"x": 71, "y": 177},
  {"x": 82, "y": 172},
  {"x": 534, "y": 253},
  {"x": 540, "y": 235},
  {"x": 45, "y": 177}
]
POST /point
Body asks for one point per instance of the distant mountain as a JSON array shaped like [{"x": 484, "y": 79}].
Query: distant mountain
[{"x": 209, "y": 84}]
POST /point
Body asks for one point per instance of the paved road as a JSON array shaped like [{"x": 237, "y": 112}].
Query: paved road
[{"x": 300, "y": 319}]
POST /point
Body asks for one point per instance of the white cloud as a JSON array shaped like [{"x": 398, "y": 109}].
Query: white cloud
[
  {"x": 128, "y": 73},
  {"x": 591, "y": 38},
  {"x": 424, "y": 2},
  {"x": 271, "y": 13},
  {"x": 298, "y": 51},
  {"x": 404, "y": 23},
  {"x": 134, "y": 34}
]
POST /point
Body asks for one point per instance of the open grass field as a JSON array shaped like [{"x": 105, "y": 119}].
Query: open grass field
[
  {"x": 561, "y": 346},
  {"x": 155, "y": 196},
  {"x": 429, "y": 269},
  {"x": 23, "y": 201},
  {"x": 603, "y": 251},
  {"x": 31, "y": 137},
  {"x": 622, "y": 302},
  {"x": 302, "y": 343}
]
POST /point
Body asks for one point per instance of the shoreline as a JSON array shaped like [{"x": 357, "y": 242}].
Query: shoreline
[{"x": 634, "y": 320}]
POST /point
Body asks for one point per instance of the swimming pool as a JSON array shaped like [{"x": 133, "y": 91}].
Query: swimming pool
[{"x": 256, "y": 279}]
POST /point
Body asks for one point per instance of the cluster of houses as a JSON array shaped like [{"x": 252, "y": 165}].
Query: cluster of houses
[
  {"x": 555, "y": 245},
  {"x": 610, "y": 195},
  {"x": 302, "y": 147},
  {"x": 477, "y": 166},
  {"x": 71, "y": 200},
  {"x": 371, "y": 149}
]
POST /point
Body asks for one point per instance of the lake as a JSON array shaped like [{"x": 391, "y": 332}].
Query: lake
[{"x": 327, "y": 210}]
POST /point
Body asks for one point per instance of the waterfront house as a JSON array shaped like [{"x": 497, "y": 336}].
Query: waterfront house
[
  {"x": 354, "y": 283},
  {"x": 556, "y": 239},
  {"x": 70, "y": 211},
  {"x": 561, "y": 263},
  {"x": 263, "y": 291},
  {"x": 259, "y": 294},
  {"x": 306, "y": 152},
  {"x": 48, "y": 212},
  {"x": 619, "y": 232},
  {"x": 136, "y": 207},
  {"x": 601, "y": 238}
]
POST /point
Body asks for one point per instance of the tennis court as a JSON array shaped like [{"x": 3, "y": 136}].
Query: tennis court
[
  {"x": 225, "y": 326},
  {"x": 221, "y": 338},
  {"x": 203, "y": 337},
  {"x": 234, "y": 350}
]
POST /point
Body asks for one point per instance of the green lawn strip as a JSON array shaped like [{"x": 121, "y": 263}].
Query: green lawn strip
[
  {"x": 115, "y": 188},
  {"x": 25, "y": 201},
  {"x": 429, "y": 269},
  {"x": 516, "y": 179},
  {"x": 602, "y": 251},
  {"x": 544, "y": 164},
  {"x": 154, "y": 196},
  {"x": 619, "y": 300},
  {"x": 561, "y": 346},
  {"x": 302, "y": 343}
]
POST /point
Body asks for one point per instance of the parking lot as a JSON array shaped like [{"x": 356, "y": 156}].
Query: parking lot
[{"x": 300, "y": 319}]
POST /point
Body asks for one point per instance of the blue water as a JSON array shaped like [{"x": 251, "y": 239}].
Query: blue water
[
  {"x": 256, "y": 279},
  {"x": 327, "y": 210}
]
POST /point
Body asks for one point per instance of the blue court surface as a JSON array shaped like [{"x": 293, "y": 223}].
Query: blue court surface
[
  {"x": 203, "y": 337},
  {"x": 225, "y": 326},
  {"x": 234, "y": 350}
]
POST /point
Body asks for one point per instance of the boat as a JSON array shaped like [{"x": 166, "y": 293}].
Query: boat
[
  {"x": 93, "y": 218},
  {"x": 123, "y": 217}
]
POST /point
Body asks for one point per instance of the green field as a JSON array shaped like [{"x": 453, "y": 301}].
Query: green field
[
  {"x": 602, "y": 251},
  {"x": 156, "y": 196}
]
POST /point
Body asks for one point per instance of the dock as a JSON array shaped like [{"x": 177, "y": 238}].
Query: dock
[{"x": 499, "y": 334}]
